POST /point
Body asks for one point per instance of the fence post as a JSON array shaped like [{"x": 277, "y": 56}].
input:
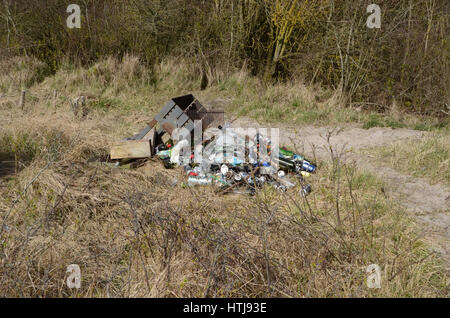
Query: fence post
[
  {"x": 22, "y": 99},
  {"x": 55, "y": 94},
  {"x": 74, "y": 104}
]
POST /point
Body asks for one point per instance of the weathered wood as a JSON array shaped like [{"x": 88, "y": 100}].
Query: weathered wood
[
  {"x": 153, "y": 123},
  {"x": 55, "y": 95},
  {"x": 142, "y": 133},
  {"x": 168, "y": 127},
  {"x": 84, "y": 107},
  {"x": 74, "y": 105},
  {"x": 151, "y": 137},
  {"x": 132, "y": 149},
  {"x": 22, "y": 99}
]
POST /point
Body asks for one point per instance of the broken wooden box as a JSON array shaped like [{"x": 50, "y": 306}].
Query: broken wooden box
[{"x": 179, "y": 112}]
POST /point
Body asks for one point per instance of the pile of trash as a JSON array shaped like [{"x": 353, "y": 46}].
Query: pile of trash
[{"x": 227, "y": 160}]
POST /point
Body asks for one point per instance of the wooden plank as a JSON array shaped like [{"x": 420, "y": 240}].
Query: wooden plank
[
  {"x": 22, "y": 99},
  {"x": 168, "y": 127},
  {"x": 153, "y": 123},
  {"x": 167, "y": 108},
  {"x": 132, "y": 149},
  {"x": 142, "y": 133},
  {"x": 151, "y": 137}
]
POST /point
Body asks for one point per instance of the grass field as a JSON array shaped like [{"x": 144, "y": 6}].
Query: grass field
[
  {"x": 428, "y": 157},
  {"x": 134, "y": 232}
]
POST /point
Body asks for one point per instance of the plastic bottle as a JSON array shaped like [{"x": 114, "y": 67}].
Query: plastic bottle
[
  {"x": 164, "y": 154},
  {"x": 285, "y": 182},
  {"x": 202, "y": 181},
  {"x": 177, "y": 151}
]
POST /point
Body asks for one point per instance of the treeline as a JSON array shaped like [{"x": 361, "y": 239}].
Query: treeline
[{"x": 321, "y": 41}]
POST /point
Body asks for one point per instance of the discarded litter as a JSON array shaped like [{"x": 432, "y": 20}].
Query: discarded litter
[{"x": 229, "y": 161}]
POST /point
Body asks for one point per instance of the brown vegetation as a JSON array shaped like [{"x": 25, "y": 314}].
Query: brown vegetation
[{"x": 137, "y": 233}]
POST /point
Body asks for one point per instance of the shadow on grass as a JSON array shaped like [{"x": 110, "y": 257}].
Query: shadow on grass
[{"x": 7, "y": 164}]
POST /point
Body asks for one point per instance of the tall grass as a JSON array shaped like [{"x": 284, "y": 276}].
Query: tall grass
[{"x": 20, "y": 73}]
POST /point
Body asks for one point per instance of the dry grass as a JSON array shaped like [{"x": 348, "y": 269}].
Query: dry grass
[
  {"x": 135, "y": 234},
  {"x": 20, "y": 72}
]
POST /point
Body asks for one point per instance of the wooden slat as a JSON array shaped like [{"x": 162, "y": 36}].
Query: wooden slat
[
  {"x": 132, "y": 149},
  {"x": 142, "y": 133},
  {"x": 151, "y": 137},
  {"x": 153, "y": 123}
]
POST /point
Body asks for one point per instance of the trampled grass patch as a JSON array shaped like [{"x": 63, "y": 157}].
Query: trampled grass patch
[{"x": 428, "y": 157}]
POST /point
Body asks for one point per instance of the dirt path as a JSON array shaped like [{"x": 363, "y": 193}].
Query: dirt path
[{"x": 429, "y": 204}]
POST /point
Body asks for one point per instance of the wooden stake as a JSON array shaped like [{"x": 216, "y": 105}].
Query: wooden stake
[
  {"x": 22, "y": 99},
  {"x": 55, "y": 94}
]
